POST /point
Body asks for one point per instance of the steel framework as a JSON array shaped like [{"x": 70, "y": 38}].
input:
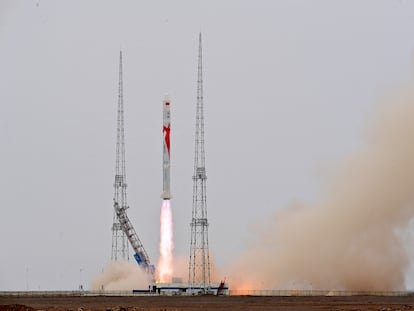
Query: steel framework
[
  {"x": 119, "y": 239},
  {"x": 199, "y": 267}
]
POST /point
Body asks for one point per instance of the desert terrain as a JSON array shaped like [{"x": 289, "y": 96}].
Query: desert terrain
[{"x": 210, "y": 303}]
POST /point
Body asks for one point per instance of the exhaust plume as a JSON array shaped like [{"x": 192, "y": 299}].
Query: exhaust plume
[
  {"x": 165, "y": 263},
  {"x": 351, "y": 238}
]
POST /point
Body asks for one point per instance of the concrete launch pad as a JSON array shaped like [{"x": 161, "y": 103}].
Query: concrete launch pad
[{"x": 179, "y": 288}]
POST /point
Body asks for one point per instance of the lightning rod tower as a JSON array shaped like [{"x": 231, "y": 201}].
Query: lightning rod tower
[
  {"x": 199, "y": 267},
  {"x": 119, "y": 238}
]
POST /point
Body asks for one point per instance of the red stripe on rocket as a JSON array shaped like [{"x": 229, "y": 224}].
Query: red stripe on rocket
[{"x": 166, "y": 131}]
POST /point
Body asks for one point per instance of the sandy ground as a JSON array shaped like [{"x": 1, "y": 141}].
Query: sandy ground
[{"x": 213, "y": 303}]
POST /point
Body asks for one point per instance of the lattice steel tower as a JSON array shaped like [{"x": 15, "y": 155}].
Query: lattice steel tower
[
  {"x": 119, "y": 239},
  {"x": 199, "y": 268}
]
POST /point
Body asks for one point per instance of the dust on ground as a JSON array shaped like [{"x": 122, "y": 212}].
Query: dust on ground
[{"x": 208, "y": 303}]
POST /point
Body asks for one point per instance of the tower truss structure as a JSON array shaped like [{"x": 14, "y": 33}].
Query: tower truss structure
[
  {"x": 120, "y": 249},
  {"x": 199, "y": 267}
]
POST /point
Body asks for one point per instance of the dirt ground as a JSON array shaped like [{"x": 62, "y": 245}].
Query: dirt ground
[{"x": 213, "y": 303}]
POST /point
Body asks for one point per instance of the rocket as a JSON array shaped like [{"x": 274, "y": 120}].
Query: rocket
[{"x": 166, "y": 117}]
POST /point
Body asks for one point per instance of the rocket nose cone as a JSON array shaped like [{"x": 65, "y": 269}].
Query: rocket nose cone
[{"x": 166, "y": 100}]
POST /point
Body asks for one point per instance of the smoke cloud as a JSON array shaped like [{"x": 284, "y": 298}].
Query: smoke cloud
[
  {"x": 181, "y": 268},
  {"x": 121, "y": 275},
  {"x": 350, "y": 239}
]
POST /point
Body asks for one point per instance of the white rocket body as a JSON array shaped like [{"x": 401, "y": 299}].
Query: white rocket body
[{"x": 166, "y": 191}]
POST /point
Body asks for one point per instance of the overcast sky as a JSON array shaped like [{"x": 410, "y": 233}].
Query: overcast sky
[{"x": 289, "y": 87}]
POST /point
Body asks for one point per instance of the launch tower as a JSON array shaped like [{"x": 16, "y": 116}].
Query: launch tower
[
  {"x": 199, "y": 267},
  {"x": 119, "y": 238}
]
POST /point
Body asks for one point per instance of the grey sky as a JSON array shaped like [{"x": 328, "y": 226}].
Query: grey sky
[{"x": 289, "y": 86}]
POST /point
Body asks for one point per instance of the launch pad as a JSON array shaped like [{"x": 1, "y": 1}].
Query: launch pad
[{"x": 179, "y": 288}]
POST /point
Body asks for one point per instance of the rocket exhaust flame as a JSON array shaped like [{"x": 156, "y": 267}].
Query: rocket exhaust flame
[{"x": 165, "y": 263}]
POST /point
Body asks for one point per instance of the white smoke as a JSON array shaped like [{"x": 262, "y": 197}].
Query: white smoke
[
  {"x": 351, "y": 238},
  {"x": 121, "y": 275}
]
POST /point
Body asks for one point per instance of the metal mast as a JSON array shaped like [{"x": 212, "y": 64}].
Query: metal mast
[
  {"x": 199, "y": 268},
  {"x": 119, "y": 238}
]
